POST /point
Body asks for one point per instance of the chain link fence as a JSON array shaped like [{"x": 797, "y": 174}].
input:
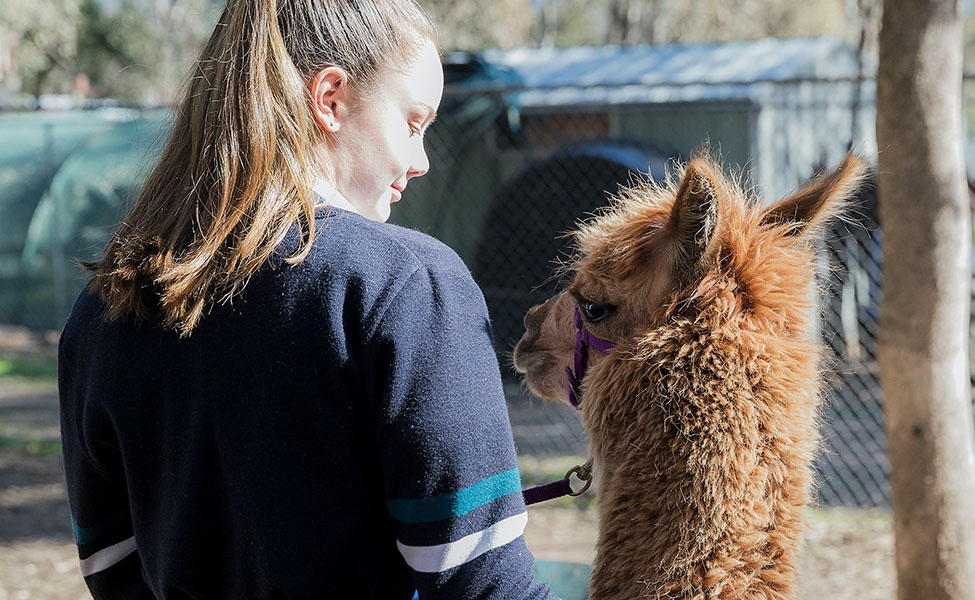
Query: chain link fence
[
  {"x": 511, "y": 173},
  {"x": 852, "y": 467}
]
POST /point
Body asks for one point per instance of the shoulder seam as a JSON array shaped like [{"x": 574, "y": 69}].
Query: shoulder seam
[{"x": 380, "y": 314}]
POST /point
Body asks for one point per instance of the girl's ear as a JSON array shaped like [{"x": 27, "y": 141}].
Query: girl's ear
[
  {"x": 819, "y": 201},
  {"x": 330, "y": 97},
  {"x": 695, "y": 215}
]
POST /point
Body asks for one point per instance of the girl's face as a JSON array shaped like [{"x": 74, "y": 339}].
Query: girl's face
[{"x": 378, "y": 146}]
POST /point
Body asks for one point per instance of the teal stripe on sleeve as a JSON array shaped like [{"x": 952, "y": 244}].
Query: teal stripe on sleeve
[
  {"x": 455, "y": 504},
  {"x": 85, "y": 535},
  {"x": 93, "y": 534}
]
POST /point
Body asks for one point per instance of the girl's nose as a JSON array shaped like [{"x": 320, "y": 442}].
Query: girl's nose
[{"x": 420, "y": 166}]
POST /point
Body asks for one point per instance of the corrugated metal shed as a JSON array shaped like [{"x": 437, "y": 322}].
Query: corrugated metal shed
[
  {"x": 673, "y": 73},
  {"x": 778, "y": 108}
]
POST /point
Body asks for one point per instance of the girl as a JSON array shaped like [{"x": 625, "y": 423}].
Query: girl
[{"x": 266, "y": 391}]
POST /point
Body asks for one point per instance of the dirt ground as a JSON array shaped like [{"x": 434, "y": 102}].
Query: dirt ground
[
  {"x": 848, "y": 553},
  {"x": 37, "y": 554}
]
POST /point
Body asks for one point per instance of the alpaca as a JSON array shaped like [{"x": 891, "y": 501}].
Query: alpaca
[{"x": 703, "y": 417}]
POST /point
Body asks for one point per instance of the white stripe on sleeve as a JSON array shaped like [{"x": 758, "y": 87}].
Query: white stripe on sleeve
[
  {"x": 107, "y": 557},
  {"x": 434, "y": 559}
]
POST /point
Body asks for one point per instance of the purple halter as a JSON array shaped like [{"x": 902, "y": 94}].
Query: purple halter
[
  {"x": 562, "y": 487},
  {"x": 584, "y": 341}
]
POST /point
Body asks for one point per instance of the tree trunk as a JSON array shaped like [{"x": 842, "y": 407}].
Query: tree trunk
[
  {"x": 619, "y": 21},
  {"x": 923, "y": 352}
]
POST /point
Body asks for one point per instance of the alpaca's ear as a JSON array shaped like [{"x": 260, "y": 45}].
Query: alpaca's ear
[
  {"x": 694, "y": 217},
  {"x": 820, "y": 200}
]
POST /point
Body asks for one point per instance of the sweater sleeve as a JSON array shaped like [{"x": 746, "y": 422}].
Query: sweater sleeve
[
  {"x": 450, "y": 473},
  {"x": 97, "y": 496}
]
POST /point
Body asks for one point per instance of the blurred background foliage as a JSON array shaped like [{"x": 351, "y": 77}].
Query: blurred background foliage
[
  {"x": 133, "y": 50},
  {"x": 139, "y": 51}
]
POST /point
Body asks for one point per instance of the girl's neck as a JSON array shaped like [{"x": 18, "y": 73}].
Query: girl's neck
[{"x": 327, "y": 192}]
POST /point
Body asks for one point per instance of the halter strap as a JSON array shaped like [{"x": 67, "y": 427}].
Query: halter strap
[
  {"x": 584, "y": 341},
  {"x": 562, "y": 487}
]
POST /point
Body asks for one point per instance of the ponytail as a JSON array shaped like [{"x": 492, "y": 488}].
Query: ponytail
[{"x": 236, "y": 173}]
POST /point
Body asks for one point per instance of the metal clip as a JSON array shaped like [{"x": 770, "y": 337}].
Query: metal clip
[{"x": 583, "y": 472}]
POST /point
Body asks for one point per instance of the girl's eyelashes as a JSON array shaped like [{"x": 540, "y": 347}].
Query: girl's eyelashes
[{"x": 418, "y": 129}]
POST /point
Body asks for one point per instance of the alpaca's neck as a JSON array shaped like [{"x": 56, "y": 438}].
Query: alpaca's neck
[{"x": 703, "y": 466}]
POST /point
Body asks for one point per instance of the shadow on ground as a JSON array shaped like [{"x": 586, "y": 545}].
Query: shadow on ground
[
  {"x": 32, "y": 497},
  {"x": 33, "y": 505}
]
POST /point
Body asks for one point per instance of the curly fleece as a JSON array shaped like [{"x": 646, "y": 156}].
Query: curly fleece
[{"x": 704, "y": 426}]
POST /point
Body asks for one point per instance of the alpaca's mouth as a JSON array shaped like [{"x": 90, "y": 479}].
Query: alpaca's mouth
[
  {"x": 540, "y": 372},
  {"x": 529, "y": 359},
  {"x": 518, "y": 357},
  {"x": 539, "y": 387},
  {"x": 530, "y": 365}
]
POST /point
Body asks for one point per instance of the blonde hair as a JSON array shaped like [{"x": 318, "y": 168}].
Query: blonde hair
[{"x": 236, "y": 172}]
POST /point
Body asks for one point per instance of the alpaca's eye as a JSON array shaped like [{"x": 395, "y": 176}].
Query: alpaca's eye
[{"x": 594, "y": 313}]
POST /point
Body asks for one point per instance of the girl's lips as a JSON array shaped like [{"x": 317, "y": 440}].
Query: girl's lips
[{"x": 397, "y": 194}]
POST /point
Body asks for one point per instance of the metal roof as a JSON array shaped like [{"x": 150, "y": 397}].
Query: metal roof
[{"x": 681, "y": 73}]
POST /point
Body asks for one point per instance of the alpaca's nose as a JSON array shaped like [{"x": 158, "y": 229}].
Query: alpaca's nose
[{"x": 531, "y": 318}]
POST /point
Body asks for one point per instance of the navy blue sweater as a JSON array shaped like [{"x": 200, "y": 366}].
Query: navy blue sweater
[{"x": 338, "y": 431}]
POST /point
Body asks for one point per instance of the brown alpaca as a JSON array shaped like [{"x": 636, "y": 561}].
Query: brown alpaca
[{"x": 703, "y": 418}]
